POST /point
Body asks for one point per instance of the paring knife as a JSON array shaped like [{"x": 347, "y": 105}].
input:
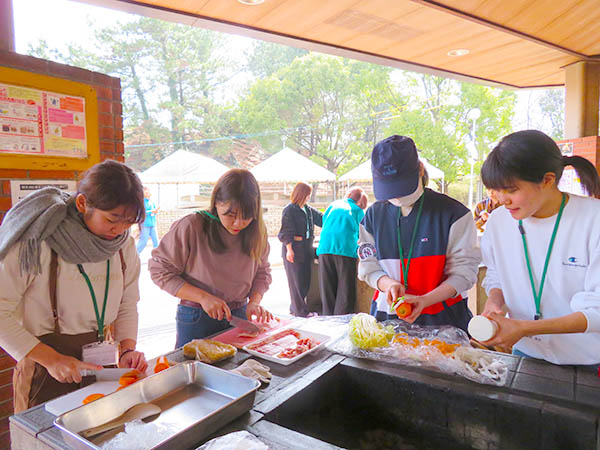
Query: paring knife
[
  {"x": 105, "y": 374},
  {"x": 245, "y": 325}
]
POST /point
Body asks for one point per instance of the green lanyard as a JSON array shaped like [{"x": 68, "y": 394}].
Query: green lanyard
[
  {"x": 207, "y": 214},
  {"x": 99, "y": 318},
  {"x": 406, "y": 266},
  {"x": 537, "y": 296}
]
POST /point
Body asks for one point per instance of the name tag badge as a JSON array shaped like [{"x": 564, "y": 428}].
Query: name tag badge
[{"x": 101, "y": 353}]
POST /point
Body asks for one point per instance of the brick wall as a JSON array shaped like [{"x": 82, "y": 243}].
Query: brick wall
[
  {"x": 111, "y": 147},
  {"x": 587, "y": 147}
]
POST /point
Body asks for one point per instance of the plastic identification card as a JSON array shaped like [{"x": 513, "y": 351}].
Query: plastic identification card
[{"x": 101, "y": 353}]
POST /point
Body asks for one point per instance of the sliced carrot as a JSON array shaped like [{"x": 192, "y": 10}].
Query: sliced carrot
[
  {"x": 91, "y": 398},
  {"x": 161, "y": 364},
  {"x": 126, "y": 381}
]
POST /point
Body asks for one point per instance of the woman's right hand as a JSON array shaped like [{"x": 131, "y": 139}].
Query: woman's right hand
[
  {"x": 63, "y": 368},
  {"x": 290, "y": 255},
  {"x": 67, "y": 369},
  {"x": 215, "y": 308}
]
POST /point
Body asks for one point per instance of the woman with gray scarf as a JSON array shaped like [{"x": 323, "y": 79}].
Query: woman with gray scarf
[{"x": 69, "y": 274}]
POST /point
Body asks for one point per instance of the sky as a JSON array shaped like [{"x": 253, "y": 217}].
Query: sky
[{"x": 62, "y": 21}]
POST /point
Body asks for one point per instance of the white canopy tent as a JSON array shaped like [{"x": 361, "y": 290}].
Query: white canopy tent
[
  {"x": 289, "y": 166},
  {"x": 179, "y": 175},
  {"x": 363, "y": 172}
]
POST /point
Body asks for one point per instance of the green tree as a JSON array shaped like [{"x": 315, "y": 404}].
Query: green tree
[
  {"x": 170, "y": 77},
  {"x": 436, "y": 118},
  {"x": 324, "y": 106},
  {"x": 266, "y": 58},
  {"x": 552, "y": 105}
]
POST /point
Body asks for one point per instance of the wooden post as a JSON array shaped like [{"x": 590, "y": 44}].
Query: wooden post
[{"x": 7, "y": 26}]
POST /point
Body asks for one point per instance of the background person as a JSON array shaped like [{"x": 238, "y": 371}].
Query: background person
[
  {"x": 296, "y": 234},
  {"x": 216, "y": 261},
  {"x": 542, "y": 252},
  {"x": 416, "y": 243},
  {"x": 66, "y": 256},
  {"x": 337, "y": 252},
  {"x": 148, "y": 228},
  {"x": 484, "y": 208}
]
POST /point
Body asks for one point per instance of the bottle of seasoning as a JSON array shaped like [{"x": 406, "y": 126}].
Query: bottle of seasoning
[{"x": 482, "y": 329}]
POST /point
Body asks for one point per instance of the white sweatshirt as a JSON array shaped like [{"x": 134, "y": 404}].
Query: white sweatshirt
[
  {"x": 26, "y": 312},
  {"x": 572, "y": 281}
]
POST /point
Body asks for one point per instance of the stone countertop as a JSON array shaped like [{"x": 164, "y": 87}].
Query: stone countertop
[{"x": 555, "y": 395}]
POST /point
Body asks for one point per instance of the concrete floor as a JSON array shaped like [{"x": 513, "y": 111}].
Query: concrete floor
[{"x": 157, "y": 309}]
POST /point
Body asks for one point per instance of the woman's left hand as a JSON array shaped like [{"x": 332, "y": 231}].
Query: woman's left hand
[
  {"x": 261, "y": 314},
  {"x": 510, "y": 331},
  {"x": 419, "y": 303},
  {"x": 134, "y": 360}
]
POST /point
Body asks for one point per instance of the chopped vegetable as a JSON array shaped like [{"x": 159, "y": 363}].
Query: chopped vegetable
[
  {"x": 130, "y": 377},
  {"x": 161, "y": 364},
  {"x": 90, "y": 398},
  {"x": 366, "y": 333},
  {"x": 404, "y": 309}
]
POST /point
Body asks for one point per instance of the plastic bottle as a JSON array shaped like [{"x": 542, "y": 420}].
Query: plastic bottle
[{"x": 482, "y": 329}]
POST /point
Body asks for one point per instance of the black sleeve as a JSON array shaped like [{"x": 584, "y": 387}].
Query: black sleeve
[
  {"x": 287, "y": 231},
  {"x": 317, "y": 217}
]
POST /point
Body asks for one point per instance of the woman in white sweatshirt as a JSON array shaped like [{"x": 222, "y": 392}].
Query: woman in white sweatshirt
[{"x": 542, "y": 252}]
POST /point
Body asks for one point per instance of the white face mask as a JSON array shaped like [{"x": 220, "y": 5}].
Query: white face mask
[{"x": 410, "y": 199}]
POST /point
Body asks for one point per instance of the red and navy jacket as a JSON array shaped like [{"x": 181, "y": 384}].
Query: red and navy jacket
[{"x": 445, "y": 248}]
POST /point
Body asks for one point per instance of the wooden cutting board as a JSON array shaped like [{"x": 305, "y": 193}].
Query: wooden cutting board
[
  {"x": 232, "y": 336},
  {"x": 73, "y": 400}
]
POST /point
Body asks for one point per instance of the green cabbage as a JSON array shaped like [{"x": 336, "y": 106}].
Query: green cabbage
[{"x": 365, "y": 332}]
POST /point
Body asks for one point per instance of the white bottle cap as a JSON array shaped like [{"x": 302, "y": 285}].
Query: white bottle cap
[{"x": 482, "y": 329}]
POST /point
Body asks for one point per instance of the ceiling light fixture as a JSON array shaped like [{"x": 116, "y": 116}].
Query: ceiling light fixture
[
  {"x": 457, "y": 52},
  {"x": 251, "y": 2}
]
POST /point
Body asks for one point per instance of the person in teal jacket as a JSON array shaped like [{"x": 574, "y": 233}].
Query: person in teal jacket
[
  {"x": 148, "y": 228},
  {"x": 337, "y": 252}
]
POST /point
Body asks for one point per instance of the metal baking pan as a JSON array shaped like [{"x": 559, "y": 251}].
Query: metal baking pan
[{"x": 196, "y": 400}]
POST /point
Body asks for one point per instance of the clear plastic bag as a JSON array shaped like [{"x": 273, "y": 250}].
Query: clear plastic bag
[
  {"x": 445, "y": 348},
  {"x": 240, "y": 440}
]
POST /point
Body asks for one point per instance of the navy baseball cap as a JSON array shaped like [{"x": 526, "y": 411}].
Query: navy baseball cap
[{"x": 395, "y": 167}]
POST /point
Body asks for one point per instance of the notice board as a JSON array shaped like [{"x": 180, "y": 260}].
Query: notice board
[{"x": 47, "y": 123}]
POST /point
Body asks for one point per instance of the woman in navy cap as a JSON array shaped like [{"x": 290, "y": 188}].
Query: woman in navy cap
[{"x": 416, "y": 245}]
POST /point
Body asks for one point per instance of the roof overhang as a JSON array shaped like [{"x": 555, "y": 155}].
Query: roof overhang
[{"x": 511, "y": 43}]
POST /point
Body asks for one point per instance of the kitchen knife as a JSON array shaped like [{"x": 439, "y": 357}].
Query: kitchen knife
[
  {"x": 105, "y": 374},
  {"x": 245, "y": 325}
]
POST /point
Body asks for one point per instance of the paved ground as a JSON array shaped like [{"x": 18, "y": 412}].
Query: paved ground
[{"x": 157, "y": 308}]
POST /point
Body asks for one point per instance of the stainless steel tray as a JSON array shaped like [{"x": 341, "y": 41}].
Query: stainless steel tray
[{"x": 196, "y": 399}]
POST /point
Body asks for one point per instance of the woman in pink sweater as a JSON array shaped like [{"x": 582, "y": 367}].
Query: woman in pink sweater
[{"x": 216, "y": 261}]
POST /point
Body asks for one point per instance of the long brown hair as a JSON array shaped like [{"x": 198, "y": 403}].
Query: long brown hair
[
  {"x": 241, "y": 190},
  {"x": 111, "y": 184},
  {"x": 300, "y": 192}
]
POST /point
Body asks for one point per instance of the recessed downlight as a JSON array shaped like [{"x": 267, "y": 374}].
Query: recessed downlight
[
  {"x": 251, "y": 2},
  {"x": 457, "y": 52}
]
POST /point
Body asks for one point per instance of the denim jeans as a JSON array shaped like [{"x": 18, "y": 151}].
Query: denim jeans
[
  {"x": 145, "y": 233},
  {"x": 194, "y": 323}
]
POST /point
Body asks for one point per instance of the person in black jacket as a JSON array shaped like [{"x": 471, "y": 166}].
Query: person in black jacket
[{"x": 297, "y": 232}]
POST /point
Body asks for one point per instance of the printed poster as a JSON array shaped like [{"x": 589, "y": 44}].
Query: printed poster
[{"x": 35, "y": 122}]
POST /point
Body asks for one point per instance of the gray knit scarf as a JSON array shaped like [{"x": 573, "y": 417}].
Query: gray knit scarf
[{"x": 50, "y": 215}]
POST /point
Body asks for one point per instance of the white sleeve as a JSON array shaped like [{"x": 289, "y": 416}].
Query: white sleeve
[
  {"x": 126, "y": 323},
  {"x": 462, "y": 255},
  {"x": 14, "y": 338},
  {"x": 588, "y": 301},
  {"x": 491, "y": 280},
  {"x": 369, "y": 269}
]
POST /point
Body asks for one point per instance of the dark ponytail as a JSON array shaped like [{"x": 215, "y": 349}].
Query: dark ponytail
[
  {"x": 527, "y": 156},
  {"x": 586, "y": 172}
]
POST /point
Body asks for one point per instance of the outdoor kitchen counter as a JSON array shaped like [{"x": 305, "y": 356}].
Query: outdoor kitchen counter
[{"x": 339, "y": 400}]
